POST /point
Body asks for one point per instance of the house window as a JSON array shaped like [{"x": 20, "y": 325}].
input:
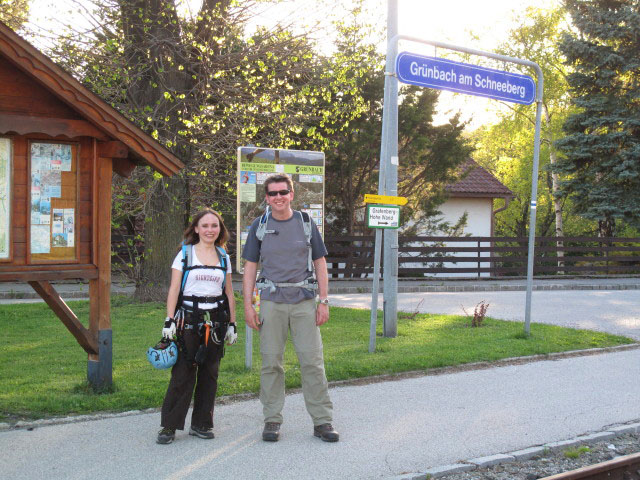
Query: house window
[
  {"x": 5, "y": 199},
  {"x": 53, "y": 205}
]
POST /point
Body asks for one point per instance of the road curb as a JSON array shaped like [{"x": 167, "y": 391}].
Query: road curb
[{"x": 524, "y": 454}]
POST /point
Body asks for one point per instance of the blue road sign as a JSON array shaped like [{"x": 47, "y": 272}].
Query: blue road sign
[{"x": 459, "y": 77}]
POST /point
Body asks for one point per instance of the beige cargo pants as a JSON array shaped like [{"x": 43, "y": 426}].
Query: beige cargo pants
[{"x": 277, "y": 319}]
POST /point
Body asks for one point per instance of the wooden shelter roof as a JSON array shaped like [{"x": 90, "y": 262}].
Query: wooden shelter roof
[{"x": 103, "y": 120}]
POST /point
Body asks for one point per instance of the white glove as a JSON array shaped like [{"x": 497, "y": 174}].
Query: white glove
[
  {"x": 232, "y": 334},
  {"x": 169, "y": 330}
]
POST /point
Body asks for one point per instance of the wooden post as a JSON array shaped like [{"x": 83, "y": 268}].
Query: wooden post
[{"x": 100, "y": 368}]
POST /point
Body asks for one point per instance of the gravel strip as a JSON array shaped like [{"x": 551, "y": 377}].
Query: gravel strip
[{"x": 551, "y": 462}]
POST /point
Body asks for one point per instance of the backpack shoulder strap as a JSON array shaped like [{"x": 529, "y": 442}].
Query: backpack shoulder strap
[
  {"x": 262, "y": 225},
  {"x": 222, "y": 255},
  {"x": 187, "y": 260},
  {"x": 306, "y": 227}
]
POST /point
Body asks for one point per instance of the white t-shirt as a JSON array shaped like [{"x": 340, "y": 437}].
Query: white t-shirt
[{"x": 202, "y": 282}]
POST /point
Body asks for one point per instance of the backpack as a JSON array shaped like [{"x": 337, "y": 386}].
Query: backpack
[{"x": 187, "y": 266}]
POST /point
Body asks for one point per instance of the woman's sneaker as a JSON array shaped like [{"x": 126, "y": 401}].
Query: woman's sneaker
[
  {"x": 201, "y": 432},
  {"x": 166, "y": 435}
]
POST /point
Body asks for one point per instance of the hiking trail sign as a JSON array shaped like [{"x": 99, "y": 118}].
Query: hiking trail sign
[{"x": 383, "y": 216}]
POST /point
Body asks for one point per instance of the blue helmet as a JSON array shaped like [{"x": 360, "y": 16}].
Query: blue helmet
[{"x": 164, "y": 355}]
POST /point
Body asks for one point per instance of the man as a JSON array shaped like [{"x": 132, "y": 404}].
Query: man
[{"x": 287, "y": 302}]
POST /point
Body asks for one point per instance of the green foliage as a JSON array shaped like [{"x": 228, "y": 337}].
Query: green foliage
[
  {"x": 601, "y": 170},
  {"x": 37, "y": 382},
  {"x": 429, "y": 154},
  {"x": 202, "y": 85},
  {"x": 506, "y": 149},
  {"x": 14, "y": 13}
]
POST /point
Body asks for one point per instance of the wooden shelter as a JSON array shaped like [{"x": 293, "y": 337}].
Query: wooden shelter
[{"x": 59, "y": 146}]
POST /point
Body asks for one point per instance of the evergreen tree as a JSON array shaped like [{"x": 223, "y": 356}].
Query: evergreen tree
[{"x": 601, "y": 169}]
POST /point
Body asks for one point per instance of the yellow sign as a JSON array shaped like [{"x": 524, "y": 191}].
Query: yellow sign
[{"x": 385, "y": 199}]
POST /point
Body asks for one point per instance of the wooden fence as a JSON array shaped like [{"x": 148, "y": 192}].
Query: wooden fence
[{"x": 352, "y": 257}]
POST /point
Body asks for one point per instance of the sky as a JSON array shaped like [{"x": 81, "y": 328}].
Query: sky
[{"x": 481, "y": 25}]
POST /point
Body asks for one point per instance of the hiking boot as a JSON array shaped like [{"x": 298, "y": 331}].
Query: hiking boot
[
  {"x": 271, "y": 432},
  {"x": 166, "y": 435},
  {"x": 206, "y": 433},
  {"x": 326, "y": 432}
]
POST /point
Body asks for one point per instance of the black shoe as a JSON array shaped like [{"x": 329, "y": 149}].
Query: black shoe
[
  {"x": 166, "y": 435},
  {"x": 206, "y": 433},
  {"x": 326, "y": 432},
  {"x": 271, "y": 432}
]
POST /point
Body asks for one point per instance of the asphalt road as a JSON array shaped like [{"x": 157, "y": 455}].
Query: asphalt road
[
  {"x": 387, "y": 429},
  {"x": 612, "y": 311}
]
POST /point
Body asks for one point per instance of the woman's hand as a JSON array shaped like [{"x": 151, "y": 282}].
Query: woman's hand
[
  {"x": 232, "y": 334},
  {"x": 169, "y": 330}
]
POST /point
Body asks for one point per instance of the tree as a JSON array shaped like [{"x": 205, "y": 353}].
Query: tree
[
  {"x": 201, "y": 87},
  {"x": 429, "y": 154},
  {"x": 14, "y": 13},
  {"x": 601, "y": 168},
  {"x": 507, "y": 147}
]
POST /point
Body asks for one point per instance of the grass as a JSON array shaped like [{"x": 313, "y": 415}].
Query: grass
[
  {"x": 576, "y": 452},
  {"x": 43, "y": 369}
]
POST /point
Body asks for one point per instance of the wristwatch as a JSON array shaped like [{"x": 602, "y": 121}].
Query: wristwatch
[{"x": 324, "y": 301}]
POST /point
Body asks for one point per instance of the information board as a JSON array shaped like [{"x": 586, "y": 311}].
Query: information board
[
  {"x": 53, "y": 171},
  {"x": 306, "y": 169}
]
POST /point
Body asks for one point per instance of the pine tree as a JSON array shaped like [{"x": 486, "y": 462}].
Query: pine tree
[{"x": 601, "y": 167}]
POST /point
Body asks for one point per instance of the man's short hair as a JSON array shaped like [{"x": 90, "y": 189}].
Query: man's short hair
[{"x": 278, "y": 178}]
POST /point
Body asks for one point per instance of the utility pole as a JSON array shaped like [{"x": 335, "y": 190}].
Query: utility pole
[{"x": 389, "y": 155}]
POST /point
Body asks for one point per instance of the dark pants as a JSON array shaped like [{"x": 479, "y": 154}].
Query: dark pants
[{"x": 184, "y": 375}]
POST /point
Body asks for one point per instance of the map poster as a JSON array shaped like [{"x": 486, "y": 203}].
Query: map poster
[
  {"x": 5, "y": 197},
  {"x": 52, "y": 227},
  {"x": 255, "y": 165}
]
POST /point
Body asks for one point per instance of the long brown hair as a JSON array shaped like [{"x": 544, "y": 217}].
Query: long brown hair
[{"x": 191, "y": 237}]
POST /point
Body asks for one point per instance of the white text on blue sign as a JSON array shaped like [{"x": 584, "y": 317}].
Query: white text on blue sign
[{"x": 459, "y": 77}]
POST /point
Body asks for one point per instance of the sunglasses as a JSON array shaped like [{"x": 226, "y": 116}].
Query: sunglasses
[{"x": 282, "y": 193}]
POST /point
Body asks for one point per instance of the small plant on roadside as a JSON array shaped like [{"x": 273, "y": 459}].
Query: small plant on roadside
[
  {"x": 478, "y": 313},
  {"x": 576, "y": 452},
  {"x": 412, "y": 315}
]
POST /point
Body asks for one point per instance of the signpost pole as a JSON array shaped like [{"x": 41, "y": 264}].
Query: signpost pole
[
  {"x": 501, "y": 86},
  {"x": 390, "y": 257},
  {"x": 374, "y": 292},
  {"x": 248, "y": 348},
  {"x": 532, "y": 215}
]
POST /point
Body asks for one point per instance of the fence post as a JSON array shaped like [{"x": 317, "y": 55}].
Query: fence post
[{"x": 479, "y": 258}]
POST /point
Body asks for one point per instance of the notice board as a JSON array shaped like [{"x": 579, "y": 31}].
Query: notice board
[{"x": 53, "y": 202}]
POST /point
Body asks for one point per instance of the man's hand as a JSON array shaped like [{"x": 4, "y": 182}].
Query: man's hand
[
  {"x": 251, "y": 317},
  {"x": 322, "y": 314}
]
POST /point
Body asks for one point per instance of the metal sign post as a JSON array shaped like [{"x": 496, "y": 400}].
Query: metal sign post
[
  {"x": 390, "y": 209},
  {"x": 447, "y": 75}
]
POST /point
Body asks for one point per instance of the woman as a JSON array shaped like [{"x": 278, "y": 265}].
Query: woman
[{"x": 204, "y": 318}]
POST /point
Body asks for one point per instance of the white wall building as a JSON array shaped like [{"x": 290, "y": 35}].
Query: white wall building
[{"x": 474, "y": 195}]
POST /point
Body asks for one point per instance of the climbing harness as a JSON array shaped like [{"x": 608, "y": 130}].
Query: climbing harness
[{"x": 192, "y": 317}]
